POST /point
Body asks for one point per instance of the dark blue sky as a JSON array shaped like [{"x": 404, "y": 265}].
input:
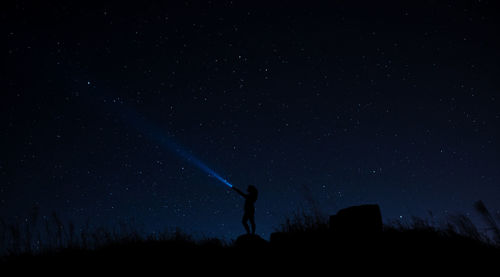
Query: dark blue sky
[{"x": 326, "y": 106}]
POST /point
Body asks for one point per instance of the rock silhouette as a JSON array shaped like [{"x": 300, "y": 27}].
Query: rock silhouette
[
  {"x": 356, "y": 224},
  {"x": 361, "y": 220},
  {"x": 249, "y": 241}
]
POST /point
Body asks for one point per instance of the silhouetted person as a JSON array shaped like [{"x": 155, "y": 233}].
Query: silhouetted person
[{"x": 249, "y": 214}]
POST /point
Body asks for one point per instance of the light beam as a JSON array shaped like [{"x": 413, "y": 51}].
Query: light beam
[{"x": 155, "y": 133}]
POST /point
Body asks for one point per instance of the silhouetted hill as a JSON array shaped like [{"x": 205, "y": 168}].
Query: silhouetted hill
[
  {"x": 392, "y": 248},
  {"x": 313, "y": 244}
]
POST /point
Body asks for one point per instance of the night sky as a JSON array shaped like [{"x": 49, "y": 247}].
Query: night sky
[{"x": 319, "y": 107}]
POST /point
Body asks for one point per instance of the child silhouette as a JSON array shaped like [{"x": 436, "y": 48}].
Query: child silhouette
[{"x": 249, "y": 209}]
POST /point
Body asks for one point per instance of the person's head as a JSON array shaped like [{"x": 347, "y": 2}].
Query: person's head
[{"x": 252, "y": 189}]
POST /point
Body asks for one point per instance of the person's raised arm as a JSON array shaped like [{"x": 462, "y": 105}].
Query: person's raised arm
[{"x": 239, "y": 192}]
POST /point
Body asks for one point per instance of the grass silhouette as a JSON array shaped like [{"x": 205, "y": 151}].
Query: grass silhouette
[{"x": 301, "y": 239}]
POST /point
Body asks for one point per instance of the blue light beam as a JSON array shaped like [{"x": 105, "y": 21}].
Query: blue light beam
[{"x": 155, "y": 133}]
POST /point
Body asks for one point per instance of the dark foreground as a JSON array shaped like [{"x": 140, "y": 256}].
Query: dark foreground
[{"x": 319, "y": 251}]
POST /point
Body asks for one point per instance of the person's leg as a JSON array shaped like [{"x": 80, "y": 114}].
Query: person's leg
[
  {"x": 245, "y": 224},
  {"x": 252, "y": 223}
]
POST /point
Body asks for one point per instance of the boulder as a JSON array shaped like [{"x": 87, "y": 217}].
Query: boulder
[
  {"x": 250, "y": 241},
  {"x": 364, "y": 219}
]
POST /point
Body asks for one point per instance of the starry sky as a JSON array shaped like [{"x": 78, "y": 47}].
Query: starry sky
[{"x": 320, "y": 106}]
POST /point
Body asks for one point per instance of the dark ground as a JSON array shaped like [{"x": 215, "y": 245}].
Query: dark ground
[{"x": 315, "y": 251}]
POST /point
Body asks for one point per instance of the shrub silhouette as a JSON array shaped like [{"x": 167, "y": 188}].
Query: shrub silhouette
[
  {"x": 488, "y": 218},
  {"x": 301, "y": 239}
]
